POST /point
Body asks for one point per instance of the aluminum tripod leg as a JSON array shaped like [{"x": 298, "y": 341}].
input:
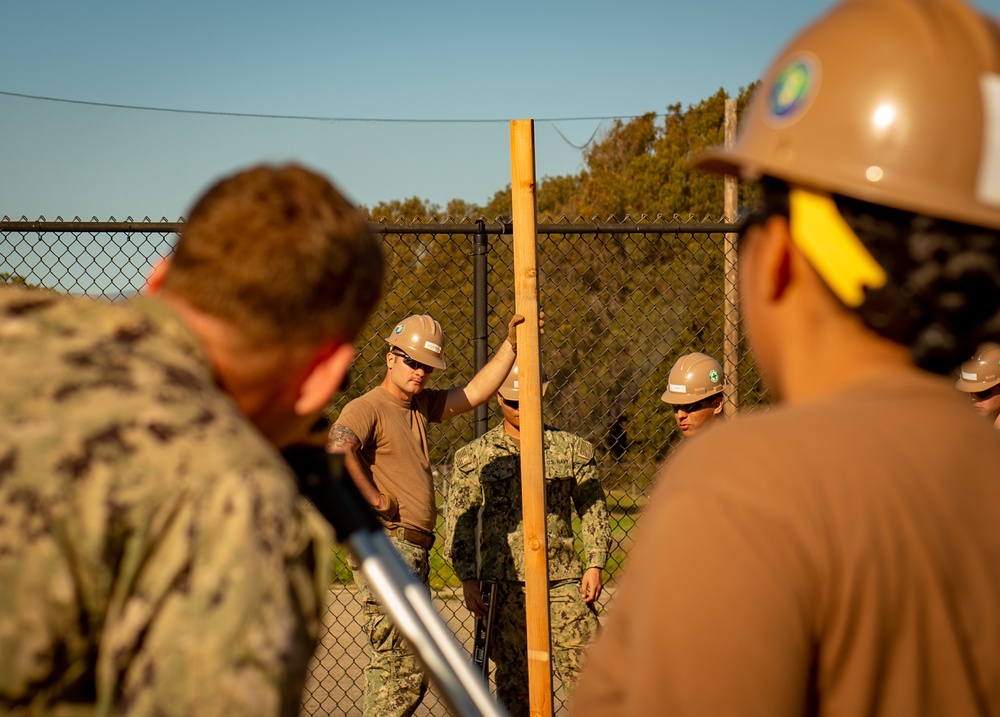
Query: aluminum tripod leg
[
  {"x": 408, "y": 603},
  {"x": 323, "y": 479}
]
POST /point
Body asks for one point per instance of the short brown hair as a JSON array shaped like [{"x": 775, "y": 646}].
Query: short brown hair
[{"x": 280, "y": 254}]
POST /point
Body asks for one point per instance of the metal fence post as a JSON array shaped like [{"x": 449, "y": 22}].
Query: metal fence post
[
  {"x": 730, "y": 294},
  {"x": 480, "y": 327}
]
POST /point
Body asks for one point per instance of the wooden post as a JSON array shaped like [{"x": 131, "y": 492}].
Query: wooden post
[
  {"x": 730, "y": 293},
  {"x": 536, "y": 584}
]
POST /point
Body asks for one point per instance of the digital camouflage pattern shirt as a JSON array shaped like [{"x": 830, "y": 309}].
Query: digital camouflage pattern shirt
[
  {"x": 487, "y": 474},
  {"x": 155, "y": 554}
]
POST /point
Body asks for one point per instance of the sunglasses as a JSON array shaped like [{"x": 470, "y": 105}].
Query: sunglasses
[
  {"x": 412, "y": 364},
  {"x": 515, "y": 405},
  {"x": 982, "y": 395},
  {"x": 696, "y": 406},
  {"x": 749, "y": 220}
]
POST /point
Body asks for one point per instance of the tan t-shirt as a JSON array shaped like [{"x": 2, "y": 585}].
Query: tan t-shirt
[
  {"x": 393, "y": 452},
  {"x": 835, "y": 558}
]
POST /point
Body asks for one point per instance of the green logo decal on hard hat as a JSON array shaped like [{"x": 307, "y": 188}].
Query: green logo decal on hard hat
[
  {"x": 793, "y": 88},
  {"x": 713, "y": 376},
  {"x": 399, "y": 329}
]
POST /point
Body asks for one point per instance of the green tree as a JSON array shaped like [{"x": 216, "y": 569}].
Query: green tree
[
  {"x": 555, "y": 196},
  {"x": 18, "y": 281},
  {"x": 413, "y": 209},
  {"x": 639, "y": 168},
  {"x": 613, "y": 167},
  {"x": 499, "y": 206},
  {"x": 459, "y": 208}
]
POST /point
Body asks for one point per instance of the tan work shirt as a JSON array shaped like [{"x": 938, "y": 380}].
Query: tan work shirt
[
  {"x": 393, "y": 452},
  {"x": 837, "y": 558}
]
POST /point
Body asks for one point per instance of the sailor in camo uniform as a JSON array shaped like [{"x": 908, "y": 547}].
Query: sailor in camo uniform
[
  {"x": 156, "y": 557},
  {"x": 486, "y": 478}
]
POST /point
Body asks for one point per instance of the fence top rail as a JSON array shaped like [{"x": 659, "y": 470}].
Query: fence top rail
[
  {"x": 496, "y": 228},
  {"x": 79, "y": 226}
]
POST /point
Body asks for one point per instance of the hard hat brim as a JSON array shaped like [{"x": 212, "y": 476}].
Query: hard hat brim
[
  {"x": 511, "y": 394},
  {"x": 974, "y": 386},
  {"x": 677, "y": 399}
]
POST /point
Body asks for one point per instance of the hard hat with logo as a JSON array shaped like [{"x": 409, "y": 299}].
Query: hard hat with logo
[
  {"x": 509, "y": 390},
  {"x": 694, "y": 377},
  {"x": 889, "y": 102},
  {"x": 982, "y": 371},
  {"x": 420, "y": 337}
]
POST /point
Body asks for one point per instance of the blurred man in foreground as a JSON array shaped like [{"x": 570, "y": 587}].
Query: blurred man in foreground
[
  {"x": 156, "y": 556},
  {"x": 839, "y": 554},
  {"x": 694, "y": 391}
]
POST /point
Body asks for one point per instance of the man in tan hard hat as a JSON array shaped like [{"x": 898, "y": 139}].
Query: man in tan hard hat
[
  {"x": 486, "y": 479},
  {"x": 838, "y": 554},
  {"x": 694, "y": 391},
  {"x": 980, "y": 378},
  {"x": 384, "y": 436}
]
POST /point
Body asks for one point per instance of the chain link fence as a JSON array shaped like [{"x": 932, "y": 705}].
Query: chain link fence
[{"x": 622, "y": 301}]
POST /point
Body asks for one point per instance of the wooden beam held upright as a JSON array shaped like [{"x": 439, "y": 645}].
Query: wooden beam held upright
[{"x": 522, "y": 160}]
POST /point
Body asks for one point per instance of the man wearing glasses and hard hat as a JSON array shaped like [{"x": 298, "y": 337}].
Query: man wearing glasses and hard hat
[
  {"x": 694, "y": 392},
  {"x": 979, "y": 377},
  {"x": 383, "y": 435}
]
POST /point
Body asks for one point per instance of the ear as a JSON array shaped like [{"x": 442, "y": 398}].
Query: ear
[
  {"x": 719, "y": 402},
  {"x": 154, "y": 282},
  {"x": 776, "y": 257},
  {"x": 326, "y": 376}
]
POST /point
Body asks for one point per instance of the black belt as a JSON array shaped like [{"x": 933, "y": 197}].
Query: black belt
[{"x": 417, "y": 537}]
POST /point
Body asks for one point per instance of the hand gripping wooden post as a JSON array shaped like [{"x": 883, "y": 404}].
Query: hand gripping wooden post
[{"x": 536, "y": 584}]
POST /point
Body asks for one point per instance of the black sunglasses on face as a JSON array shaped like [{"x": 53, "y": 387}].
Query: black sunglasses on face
[
  {"x": 696, "y": 406},
  {"x": 982, "y": 395},
  {"x": 748, "y": 221},
  {"x": 412, "y": 364},
  {"x": 515, "y": 405}
]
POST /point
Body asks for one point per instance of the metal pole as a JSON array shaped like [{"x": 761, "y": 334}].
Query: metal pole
[
  {"x": 480, "y": 327},
  {"x": 324, "y": 480},
  {"x": 730, "y": 299}
]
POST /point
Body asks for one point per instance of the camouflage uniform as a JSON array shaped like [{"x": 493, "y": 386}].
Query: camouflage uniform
[
  {"x": 155, "y": 554},
  {"x": 487, "y": 476},
  {"x": 395, "y": 683}
]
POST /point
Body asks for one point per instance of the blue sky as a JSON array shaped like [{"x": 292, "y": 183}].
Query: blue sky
[{"x": 374, "y": 59}]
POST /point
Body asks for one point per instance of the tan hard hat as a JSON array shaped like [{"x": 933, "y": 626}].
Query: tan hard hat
[
  {"x": 509, "y": 389},
  {"x": 982, "y": 371},
  {"x": 890, "y": 102},
  {"x": 694, "y": 377},
  {"x": 420, "y": 337}
]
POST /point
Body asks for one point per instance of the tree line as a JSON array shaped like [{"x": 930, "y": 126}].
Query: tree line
[{"x": 637, "y": 168}]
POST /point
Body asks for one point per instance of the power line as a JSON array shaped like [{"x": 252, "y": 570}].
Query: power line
[{"x": 308, "y": 118}]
